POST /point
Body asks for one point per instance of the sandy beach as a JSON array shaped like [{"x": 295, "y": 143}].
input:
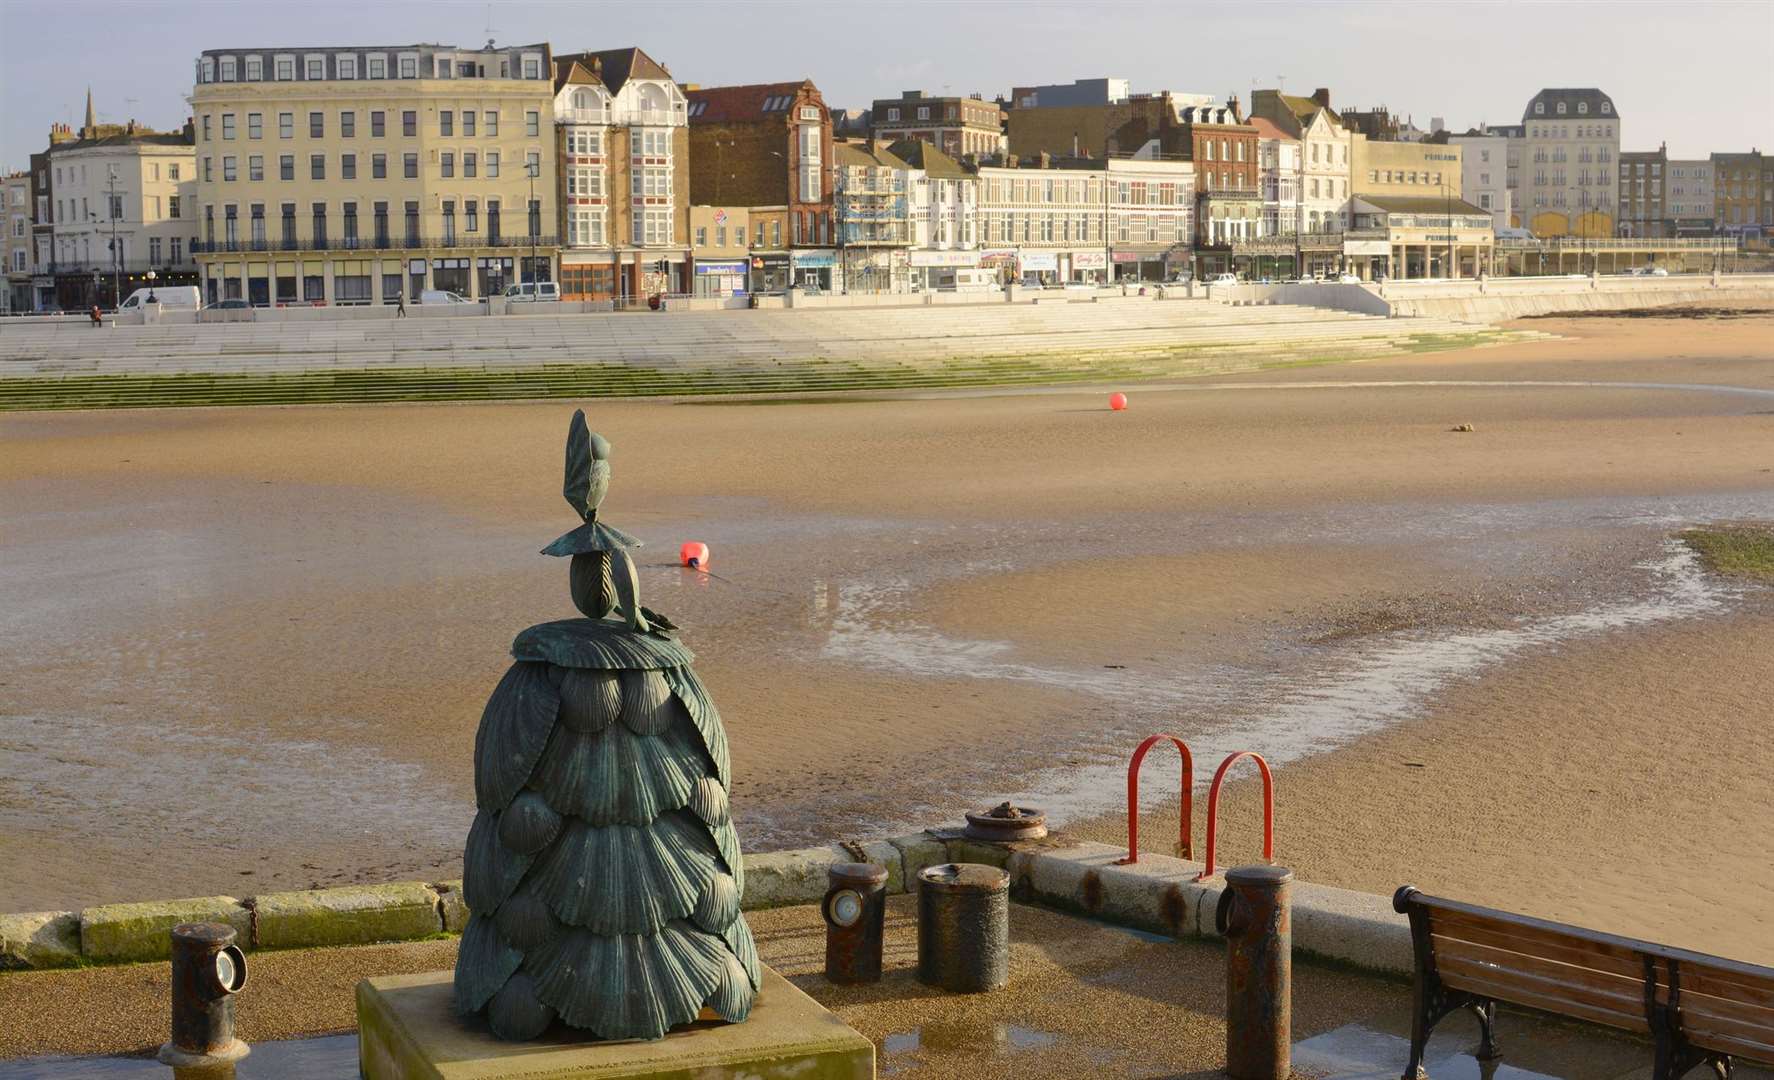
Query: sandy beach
[{"x": 247, "y": 649}]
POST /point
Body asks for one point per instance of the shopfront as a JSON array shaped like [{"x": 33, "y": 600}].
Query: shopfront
[
  {"x": 1001, "y": 261},
  {"x": 588, "y": 280},
  {"x": 771, "y": 273},
  {"x": 1038, "y": 269},
  {"x": 720, "y": 278},
  {"x": 816, "y": 269},
  {"x": 931, "y": 270},
  {"x": 1087, "y": 267}
]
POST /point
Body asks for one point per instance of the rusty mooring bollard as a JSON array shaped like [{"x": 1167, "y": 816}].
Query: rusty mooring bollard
[
  {"x": 964, "y": 927},
  {"x": 208, "y": 969},
  {"x": 855, "y": 910},
  {"x": 1255, "y": 917}
]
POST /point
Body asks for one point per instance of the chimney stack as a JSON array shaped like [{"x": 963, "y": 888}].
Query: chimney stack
[
  {"x": 1045, "y": 159},
  {"x": 1322, "y": 96}
]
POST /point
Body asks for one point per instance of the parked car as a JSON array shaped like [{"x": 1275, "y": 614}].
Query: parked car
[
  {"x": 533, "y": 290},
  {"x": 172, "y": 296},
  {"x": 233, "y": 304},
  {"x": 441, "y": 296},
  {"x": 1223, "y": 279},
  {"x": 1647, "y": 271},
  {"x": 1305, "y": 279},
  {"x": 1348, "y": 279},
  {"x": 1657, "y": 271}
]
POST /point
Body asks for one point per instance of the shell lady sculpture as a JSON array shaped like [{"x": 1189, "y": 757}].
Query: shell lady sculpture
[{"x": 602, "y": 870}]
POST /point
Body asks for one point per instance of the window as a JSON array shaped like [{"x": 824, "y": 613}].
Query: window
[
  {"x": 1539, "y": 108},
  {"x": 286, "y": 167},
  {"x": 255, "y": 71},
  {"x": 286, "y": 125},
  {"x": 317, "y": 166},
  {"x": 1583, "y": 107},
  {"x": 346, "y": 66},
  {"x": 532, "y": 122},
  {"x": 286, "y": 68},
  {"x": 447, "y": 163},
  {"x": 378, "y": 123},
  {"x": 492, "y": 164},
  {"x": 446, "y": 122},
  {"x": 409, "y": 122},
  {"x": 347, "y": 125},
  {"x": 410, "y": 166},
  {"x": 172, "y": 172},
  {"x": 319, "y": 224},
  {"x": 231, "y": 224},
  {"x": 316, "y": 125},
  {"x": 347, "y": 166},
  {"x": 493, "y": 220},
  {"x": 227, "y": 125},
  {"x": 892, "y": 114},
  {"x": 468, "y": 163},
  {"x": 206, "y": 138},
  {"x": 316, "y": 67},
  {"x": 923, "y": 112},
  {"x": 350, "y": 216},
  {"x": 532, "y": 67},
  {"x": 378, "y": 67},
  {"x": 172, "y": 208},
  {"x": 492, "y": 119},
  {"x": 412, "y": 224},
  {"x": 255, "y": 167},
  {"x": 381, "y": 212},
  {"x": 258, "y": 224},
  {"x": 409, "y": 67},
  {"x": 471, "y": 215},
  {"x": 378, "y": 166},
  {"x": 228, "y": 69},
  {"x": 449, "y": 221},
  {"x": 255, "y": 125},
  {"x": 468, "y": 123},
  {"x": 1561, "y": 108},
  {"x": 289, "y": 224}
]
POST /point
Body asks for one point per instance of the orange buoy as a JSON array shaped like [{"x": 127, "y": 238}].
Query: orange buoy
[
  {"x": 1117, "y": 402},
  {"x": 694, "y": 555}
]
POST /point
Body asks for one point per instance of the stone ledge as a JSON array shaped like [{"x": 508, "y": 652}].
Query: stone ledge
[
  {"x": 39, "y": 939},
  {"x": 351, "y": 915},
  {"x": 125, "y": 933}
]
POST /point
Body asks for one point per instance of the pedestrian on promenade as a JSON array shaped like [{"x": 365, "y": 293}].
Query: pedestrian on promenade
[
  {"x": 97, "y": 319},
  {"x": 400, "y": 306}
]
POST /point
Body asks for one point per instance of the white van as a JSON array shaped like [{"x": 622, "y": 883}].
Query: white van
[
  {"x": 172, "y": 296},
  {"x": 441, "y": 296},
  {"x": 533, "y": 290}
]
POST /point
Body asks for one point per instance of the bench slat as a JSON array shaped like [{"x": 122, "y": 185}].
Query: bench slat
[
  {"x": 1728, "y": 983},
  {"x": 1458, "y": 913},
  {"x": 1693, "y": 1004},
  {"x": 1524, "y": 990},
  {"x": 1742, "y": 1049},
  {"x": 1557, "y": 971},
  {"x": 1705, "y": 1029},
  {"x": 1618, "y": 1009},
  {"x": 1547, "y": 946}
]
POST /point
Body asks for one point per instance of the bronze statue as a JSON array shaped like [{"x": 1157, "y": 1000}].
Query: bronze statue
[{"x": 602, "y": 871}]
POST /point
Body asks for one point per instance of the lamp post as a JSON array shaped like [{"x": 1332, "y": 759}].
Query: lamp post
[
  {"x": 112, "y": 206},
  {"x": 532, "y": 215},
  {"x": 151, "y": 277}
]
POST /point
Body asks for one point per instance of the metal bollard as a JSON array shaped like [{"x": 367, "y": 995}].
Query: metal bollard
[
  {"x": 1255, "y": 916},
  {"x": 964, "y": 927},
  {"x": 208, "y": 969},
  {"x": 855, "y": 910}
]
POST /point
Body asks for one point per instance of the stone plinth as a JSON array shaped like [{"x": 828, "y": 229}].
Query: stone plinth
[{"x": 407, "y": 1030}]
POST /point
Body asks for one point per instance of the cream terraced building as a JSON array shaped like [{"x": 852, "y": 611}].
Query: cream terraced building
[{"x": 359, "y": 175}]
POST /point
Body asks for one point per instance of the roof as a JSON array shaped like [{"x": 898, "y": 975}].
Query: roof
[
  {"x": 743, "y": 104},
  {"x": 1571, "y": 98},
  {"x": 1266, "y": 129},
  {"x": 861, "y": 155},
  {"x": 1420, "y": 204},
  {"x": 569, "y": 72},
  {"x": 614, "y": 67},
  {"x": 138, "y": 138},
  {"x": 923, "y": 155},
  {"x": 1305, "y": 108}
]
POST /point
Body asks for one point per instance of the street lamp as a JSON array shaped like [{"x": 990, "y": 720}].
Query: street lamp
[
  {"x": 533, "y": 215},
  {"x": 151, "y": 277}
]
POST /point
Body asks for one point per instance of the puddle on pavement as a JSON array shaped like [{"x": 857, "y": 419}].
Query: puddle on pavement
[
  {"x": 994, "y": 1038},
  {"x": 333, "y": 1057},
  {"x": 1354, "y": 1052}
]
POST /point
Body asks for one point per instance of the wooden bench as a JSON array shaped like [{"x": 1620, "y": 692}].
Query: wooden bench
[{"x": 1697, "y": 1009}]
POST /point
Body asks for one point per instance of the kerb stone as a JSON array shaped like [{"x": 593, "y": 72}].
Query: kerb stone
[
  {"x": 125, "y": 933},
  {"x": 351, "y": 915},
  {"x": 39, "y": 939}
]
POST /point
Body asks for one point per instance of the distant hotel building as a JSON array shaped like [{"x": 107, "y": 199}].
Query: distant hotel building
[
  {"x": 958, "y": 126},
  {"x": 357, "y": 175}
]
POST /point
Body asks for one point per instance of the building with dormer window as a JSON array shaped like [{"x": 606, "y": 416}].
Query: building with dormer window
[
  {"x": 624, "y": 184},
  {"x": 1570, "y": 156}
]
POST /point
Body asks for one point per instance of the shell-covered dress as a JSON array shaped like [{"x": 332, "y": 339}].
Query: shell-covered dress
[{"x": 602, "y": 871}]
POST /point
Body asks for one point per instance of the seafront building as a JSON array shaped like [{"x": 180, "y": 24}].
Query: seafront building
[
  {"x": 1570, "y": 152},
  {"x": 872, "y": 207},
  {"x": 15, "y": 248},
  {"x": 359, "y": 175},
  {"x": 958, "y": 126},
  {"x": 944, "y": 216},
  {"x": 623, "y": 143},
  {"x": 1690, "y": 197},
  {"x": 1743, "y": 194}
]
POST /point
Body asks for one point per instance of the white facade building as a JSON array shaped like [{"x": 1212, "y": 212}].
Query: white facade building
[
  {"x": 1484, "y": 173},
  {"x": 138, "y": 189},
  {"x": 1278, "y": 162},
  {"x": 15, "y": 241}
]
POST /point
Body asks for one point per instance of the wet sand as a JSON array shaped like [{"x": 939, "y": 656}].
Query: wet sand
[{"x": 247, "y": 649}]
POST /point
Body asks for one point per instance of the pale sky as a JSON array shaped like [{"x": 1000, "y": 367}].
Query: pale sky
[{"x": 1688, "y": 73}]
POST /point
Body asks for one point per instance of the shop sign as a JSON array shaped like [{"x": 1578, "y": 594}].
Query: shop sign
[
  {"x": 720, "y": 267},
  {"x": 1089, "y": 260},
  {"x": 945, "y": 258},
  {"x": 1040, "y": 260},
  {"x": 1366, "y": 247},
  {"x": 815, "y": 259},
  {"x": 1127, "y": 256}
]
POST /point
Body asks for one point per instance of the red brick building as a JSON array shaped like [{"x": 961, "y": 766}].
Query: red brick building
[
  {"x": 768, "y": 147},
  {"x": 1228, "y": 184}
]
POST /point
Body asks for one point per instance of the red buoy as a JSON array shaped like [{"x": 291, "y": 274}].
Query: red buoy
[
  {"x": 694, "y": 555},
  {"x": 1117, "y": 402}
]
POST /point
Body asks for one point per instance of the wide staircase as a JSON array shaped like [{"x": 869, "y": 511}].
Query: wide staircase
[{"x": 763, "y": 351}]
